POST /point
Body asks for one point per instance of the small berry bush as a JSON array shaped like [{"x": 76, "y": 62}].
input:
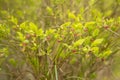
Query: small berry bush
[{"x": 75, "y": 50}]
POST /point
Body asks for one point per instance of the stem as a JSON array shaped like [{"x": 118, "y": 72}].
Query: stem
[
  {"x": 114, "y": 32},
  {"x": 56, "y": 73},
  {"x": 74, "y": 77}
]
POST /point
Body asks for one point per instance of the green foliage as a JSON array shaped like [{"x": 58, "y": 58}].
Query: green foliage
[
  {"x": 59, "y": 39},
  {"x": 4, "y": 31},
  {"x": 59, "y": 45}
]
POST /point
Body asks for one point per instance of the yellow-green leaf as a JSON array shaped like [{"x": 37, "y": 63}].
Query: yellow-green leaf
[
  {"x": 79, "y": 42},
  {"x": 95, "y": 50},
  {"x": 97, "y": 42},
  {"x": 95, "y": 32},
  {"x": 107, "y": 53},
  {"x": 49, "y": 10},
  {"x": 71, "y": 15}
]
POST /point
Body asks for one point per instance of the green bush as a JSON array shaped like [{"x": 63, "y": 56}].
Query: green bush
[
  {"x": 73, "y": 50},
  {"x": 58, "y": 39}
]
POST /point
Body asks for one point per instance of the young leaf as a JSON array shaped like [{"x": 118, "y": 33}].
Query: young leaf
[
  {"x": 107, "y": 53},
  {"x": 79, "y": 42},
  {"x": 40, "y": 32},
  {"x": 71, "y": 15},
  {"x": 95, "y": 50},
  {"x": 65, "y": 24},
  {"x": 14, "y": 20},
  {"x": 85, "y": 49},
  {"x": 90, "y": 25},
  {"x": 20, "y": 36},
  {"x": 97, "y": 42},
  {"x": 49, "y": 10},
  {"x": 95, "y": 32},
  {"x": 33, "y": 27},
  {"x": 23, "y": 26},
  {"x": 50, "y": 31}
]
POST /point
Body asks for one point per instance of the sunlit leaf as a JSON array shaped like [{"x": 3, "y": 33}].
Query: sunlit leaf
[
  {"x": 106, "y": 54},
  {"x": 95, "y": 32},
  {"x": 14, "y": 20},
  {"x": 33, "y": 27},
  {"x": 95, "y": 50},
  {"x": 97, "y": 42},
  {"x": 71, "y": 15},
  {"x": 20, "y": 36},
  {"x": 66, "y": 24},
  {"x": 79, "y": 42}
]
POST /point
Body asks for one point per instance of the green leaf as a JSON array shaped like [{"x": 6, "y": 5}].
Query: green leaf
[
  {"x": 20, "y": 36},
  {"x": 63, "y": 55},
  {"x": 79, "y": 42},
  {"x": 88, "y": 40},
  {"x": 23, "y": 26},
  {"x": 50, "y": 31},
  {"x": 95, "y": 32},
  {"x": 97, "y": 42},
  {"x": 49, "y": 10},
  {"x": 65, "y": 24},
  {"x": 85, "y": 49},
  {"x": 56, "y": 36},
  {"x": 40, "y": 32},
  {"x": 4, "y": 31},
  {"x": 78, "y": 26},
  {"x": 95, "y": 51},
  {"x": 90, "y": 25},
  {"x": 14, "y": 20},
  {"x": 71, "y": 15},
  {"x": 106, "y": 54},
  {"x": 33, "y": 27},
  {"x": 68, "y": 46}
]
